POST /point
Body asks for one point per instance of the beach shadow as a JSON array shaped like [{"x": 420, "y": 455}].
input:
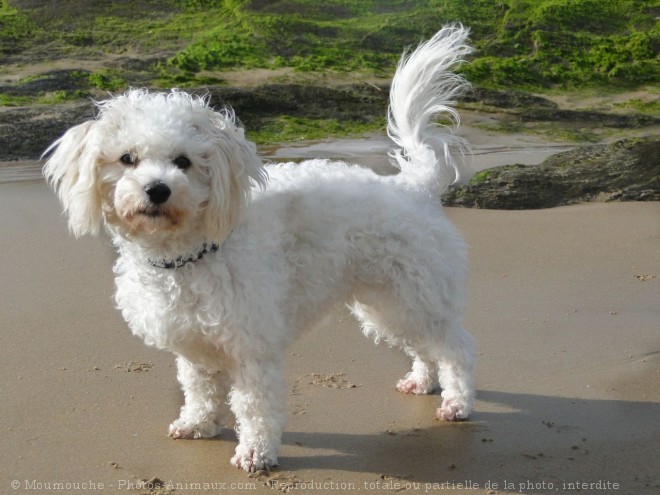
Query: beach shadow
[{"x": 529, "y": 437}]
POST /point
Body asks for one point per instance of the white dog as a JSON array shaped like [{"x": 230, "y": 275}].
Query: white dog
[{"x": 224, "y": 262}]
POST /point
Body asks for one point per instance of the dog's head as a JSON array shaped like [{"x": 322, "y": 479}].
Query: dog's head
[{"x": 155, "y": 167}]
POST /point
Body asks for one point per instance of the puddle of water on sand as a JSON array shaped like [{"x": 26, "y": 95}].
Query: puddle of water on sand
[{"x": 372, "y": 152}]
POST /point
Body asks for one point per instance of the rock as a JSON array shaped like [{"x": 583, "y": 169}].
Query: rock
[
  {"x": 532, "y": 108},
  {"x": 510, "y": 99},
  {"x": 628, "y": 170},
  {"x": 25, "y": 132},
  {"x": 617, "y": 121},
  {"x": 54, "y": 80},
  {"x": 346, "y": 102}
]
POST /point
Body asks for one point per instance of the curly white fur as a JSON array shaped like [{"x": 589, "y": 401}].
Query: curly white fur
[{"x": 295, "y": 239}]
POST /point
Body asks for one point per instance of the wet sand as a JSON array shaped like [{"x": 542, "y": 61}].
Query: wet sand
[{"x": 563, "y": 305}]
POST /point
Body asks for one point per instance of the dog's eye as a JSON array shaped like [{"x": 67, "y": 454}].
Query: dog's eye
[
  {"x": 183, "y": 162},
  {"x": 128, "y": 159}
]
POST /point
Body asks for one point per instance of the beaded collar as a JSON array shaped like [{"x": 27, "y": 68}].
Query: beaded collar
[{"x": 183, "y": 260}]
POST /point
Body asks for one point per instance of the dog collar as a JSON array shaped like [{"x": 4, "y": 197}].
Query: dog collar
[{"x": 181, "y": 260}]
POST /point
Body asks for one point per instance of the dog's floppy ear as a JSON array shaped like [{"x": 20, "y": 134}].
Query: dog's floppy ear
[
  {"x": 234, "y": 169},
  {"x": 71, "y": 170}
]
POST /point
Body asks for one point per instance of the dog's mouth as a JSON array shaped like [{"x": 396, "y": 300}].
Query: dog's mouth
[
  {"x": 151, "y": 211},
  {"x": 150, "y": 219},
  {"x": 156, "y": 213}
]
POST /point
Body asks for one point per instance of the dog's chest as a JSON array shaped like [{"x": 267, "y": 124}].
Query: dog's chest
[{"x": 170, "y": 309}]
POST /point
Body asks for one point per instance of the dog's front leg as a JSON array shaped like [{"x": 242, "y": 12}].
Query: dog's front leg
[
  {"x": 258, "y": 399},
  {"x": 205, "y": 396}
]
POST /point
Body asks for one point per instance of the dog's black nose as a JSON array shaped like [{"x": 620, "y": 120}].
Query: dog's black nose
[{"x": 158, "y": 192}]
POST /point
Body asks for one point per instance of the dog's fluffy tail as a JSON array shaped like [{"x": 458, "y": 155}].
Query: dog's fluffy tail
[{"x": 424, "y": 86}]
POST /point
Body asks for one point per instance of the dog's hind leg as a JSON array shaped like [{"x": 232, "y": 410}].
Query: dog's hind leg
[
  {"x": 451, "y": 351},
  {"x": 205, "y": 395},
  {"x": 456, "y": 374},
  {"x": 421, "y": 380},
  {"x": 441, "y": 351},
  {"x": 377, "y": 325}
]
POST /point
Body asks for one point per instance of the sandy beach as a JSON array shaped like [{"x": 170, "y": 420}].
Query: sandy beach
[{"x": 564, "y": 305}]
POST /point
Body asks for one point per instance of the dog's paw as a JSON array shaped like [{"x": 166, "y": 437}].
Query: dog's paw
[
  {"x": 182, "y": 428},
  {"x": 453, "y": 410},
  {"x": 415, "y": 385},
  {"x": 252, "y": 461}
]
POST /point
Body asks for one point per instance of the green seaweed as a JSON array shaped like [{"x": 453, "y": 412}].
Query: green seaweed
[{"x": 533, "y": 44}]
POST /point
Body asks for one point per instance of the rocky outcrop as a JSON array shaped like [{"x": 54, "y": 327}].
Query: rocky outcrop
[
  {"x": 628, "y": 170},
  {"x": 26, "y": 131}
]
